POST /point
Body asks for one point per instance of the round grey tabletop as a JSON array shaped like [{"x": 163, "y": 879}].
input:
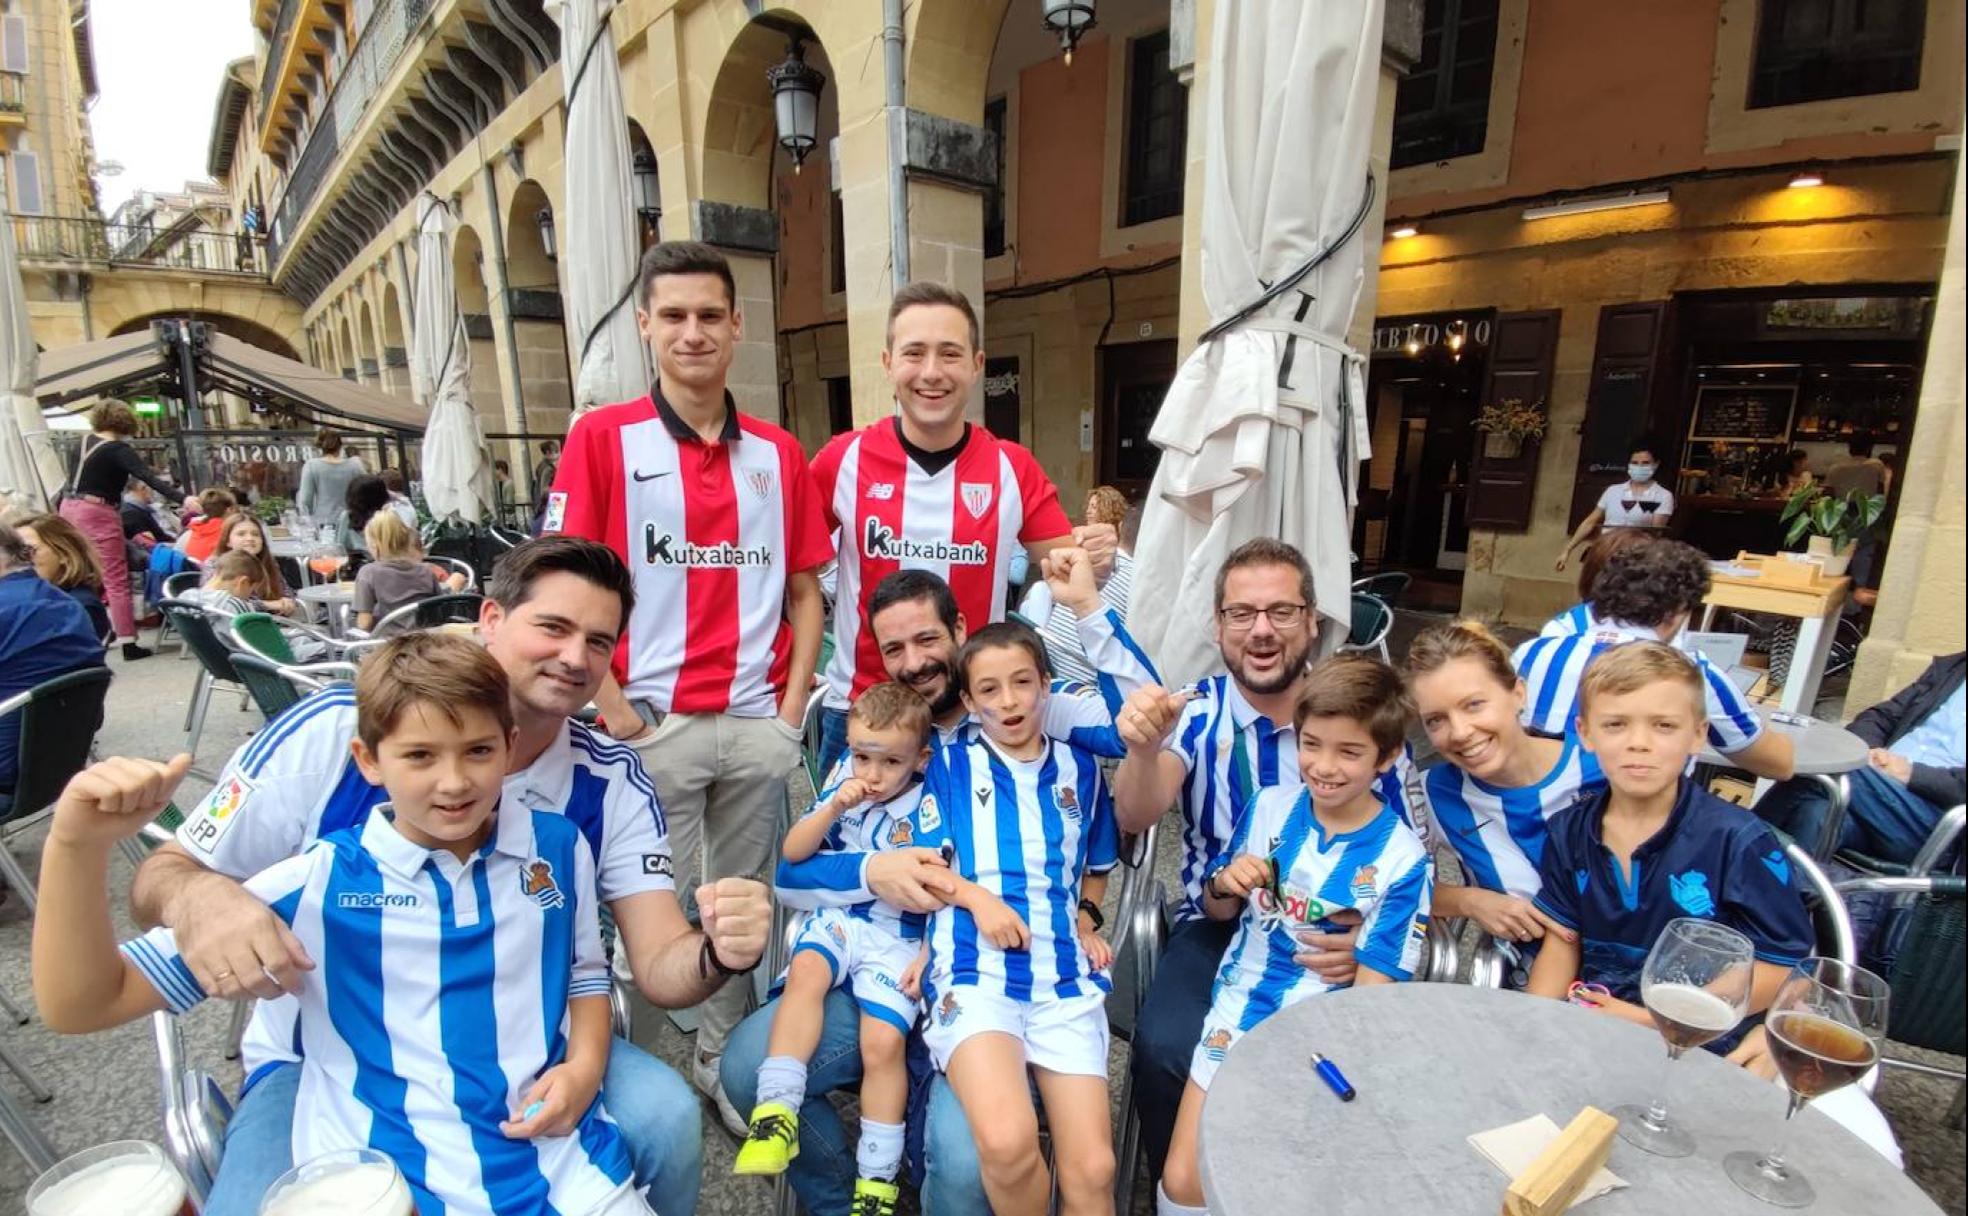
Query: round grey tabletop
[
  {"x": 1436, "y": 1062},
  {"x": 1822, "y": 747},
  {"x": 328, "y": 593}
]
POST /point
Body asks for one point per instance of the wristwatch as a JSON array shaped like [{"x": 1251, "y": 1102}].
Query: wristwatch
[
  {"x": 1092, "y": 911},
  {"x": 709, "y": 964}
]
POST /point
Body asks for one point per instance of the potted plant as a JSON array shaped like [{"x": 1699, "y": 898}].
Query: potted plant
[
  {"x": 1507, "y": 424},
  {"x": 1834, "y": 524}
]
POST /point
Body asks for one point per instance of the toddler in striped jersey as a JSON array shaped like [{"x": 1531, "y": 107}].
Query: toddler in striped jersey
[
  {"x": 1014, "y": 978},
  {"x": 457, "y": 1016},
  {"x": 1299, "y": 856},
  {"x": 870, "y": 947}
]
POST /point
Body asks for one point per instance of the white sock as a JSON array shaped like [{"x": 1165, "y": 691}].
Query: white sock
[
  {"x": 879, "y": 1155},
  {"x": 782, "y": 1079},
  {"x": 1164, "y": 1206}
]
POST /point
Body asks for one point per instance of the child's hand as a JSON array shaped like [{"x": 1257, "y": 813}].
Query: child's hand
[
  {"x": 1502, "y": 915},
  {"x": 554, "y": 1104},
  {"x": 996, "y": 921},
  {"x": 1613, "y": 1006},
  {"x": 1100, "y": 955},
  {"x": 849, "y": 793},
  {"x": 1242, "y": 876},
  {"x": 911, "y": 982},
  {"x": 115, "y": 798}
]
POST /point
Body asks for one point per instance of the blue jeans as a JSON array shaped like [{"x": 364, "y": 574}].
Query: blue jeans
[
  {"x": 833, "y": 738},
  {"x": 942, "y": 1154},
  {"x": 1886, "y": 819},
  {"x": 1166, "y": 1029},
  {"x": 656, "y": 1109}
]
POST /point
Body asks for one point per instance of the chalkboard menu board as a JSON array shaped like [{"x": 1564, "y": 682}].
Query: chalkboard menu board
[{"x": 1742, "y": 413}]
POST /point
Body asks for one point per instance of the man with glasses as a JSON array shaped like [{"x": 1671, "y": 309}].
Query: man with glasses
[{"x": 1209, "y": 749}]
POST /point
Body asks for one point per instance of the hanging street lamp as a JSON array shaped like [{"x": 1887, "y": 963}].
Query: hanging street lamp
[
  {"x": 796, "y": 102},
  {"x": 1070, "y": 19},
  {"x": 545, "y": 220},
  {"x": 648, "y": 202}
]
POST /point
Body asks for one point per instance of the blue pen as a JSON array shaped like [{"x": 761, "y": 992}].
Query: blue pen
[{"x": 1334, "y": 1079}]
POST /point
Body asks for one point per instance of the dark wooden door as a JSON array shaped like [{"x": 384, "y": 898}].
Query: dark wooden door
[
  {"x": 1501, "y": 485},
  {"x": 1619, "y": 404},
  {"x": 1134, "y": 378}
]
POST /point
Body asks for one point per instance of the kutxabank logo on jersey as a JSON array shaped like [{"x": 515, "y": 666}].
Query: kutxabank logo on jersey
[
  {"x": 660, "y": 547},
  {"x": 880, "y": 541}
]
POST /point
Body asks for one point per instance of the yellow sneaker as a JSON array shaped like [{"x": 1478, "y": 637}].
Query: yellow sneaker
[
  {"x": 771, "y": 1142},
  {"x": 872, "y": 1198}
]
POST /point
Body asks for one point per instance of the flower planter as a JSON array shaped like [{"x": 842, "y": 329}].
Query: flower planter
[
  {"x": 1834, "y": 564},
  {"x": 1498, "y": 446}
]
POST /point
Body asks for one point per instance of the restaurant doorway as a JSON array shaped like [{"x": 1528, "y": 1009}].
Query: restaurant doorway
[{"x": 1134, "y": 377}]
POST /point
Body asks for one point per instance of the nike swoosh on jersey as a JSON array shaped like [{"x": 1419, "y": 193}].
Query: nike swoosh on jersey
[{"x": 639, "y": 475}]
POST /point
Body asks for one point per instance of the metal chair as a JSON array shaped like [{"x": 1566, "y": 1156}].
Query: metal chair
[
  {"x": 1372, "y": 620},
  {"x": 459, "y": 607},
  {"x": 58, "y": 724},
  {"x": 1925, "y": 971},
  {"x": 275, "y": 687},
  {"x": 1140, "y": 933},
  {"x": 192, "y": 1108},
  {"x": 457, "y": 565},
  {"x": 176, "y": 587},
  {"x": 1387, "y": 586}
]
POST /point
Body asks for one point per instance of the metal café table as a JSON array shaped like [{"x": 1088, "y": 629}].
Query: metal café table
[
  {"x": 330, "y": 598},
  {"x": 1435, "y": 1062},
  {"x": 1826, "y": 753}
]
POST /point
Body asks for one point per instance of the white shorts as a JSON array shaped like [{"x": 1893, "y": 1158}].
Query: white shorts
[
  {"x": 866, "y": 957},
  {"x": 1061, "y": 1034},
  {"x": 1219, "y": 1036}
]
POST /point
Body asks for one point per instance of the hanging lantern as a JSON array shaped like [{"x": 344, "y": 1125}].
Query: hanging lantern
[
  {"x": 796, "y": 102},
  {"x": 545, "y": 220},
  {"x": 648, "y": 202},
  {"x": 1069, "y": 19}
]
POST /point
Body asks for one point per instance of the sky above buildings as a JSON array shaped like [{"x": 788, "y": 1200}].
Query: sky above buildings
[{"x": 158, "y": 64}]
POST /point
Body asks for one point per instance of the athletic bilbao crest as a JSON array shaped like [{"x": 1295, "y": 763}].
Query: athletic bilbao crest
[
  {"x": 761, "y": 483},
  {"x": 976, "y": 498}
]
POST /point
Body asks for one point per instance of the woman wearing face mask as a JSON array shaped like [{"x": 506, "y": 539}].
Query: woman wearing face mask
[{"x": 1637, "y": 502}]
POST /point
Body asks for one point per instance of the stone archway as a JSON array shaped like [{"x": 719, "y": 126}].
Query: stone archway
[
  {"x": 475, "y": 305},
  {"x": 396, "y": 345},
  {"x": 539, "y": 330}
]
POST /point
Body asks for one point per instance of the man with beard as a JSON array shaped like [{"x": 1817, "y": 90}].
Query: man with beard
[
  {"x": 1210, "y": 749},
  {"x": 918, "y": 629}
]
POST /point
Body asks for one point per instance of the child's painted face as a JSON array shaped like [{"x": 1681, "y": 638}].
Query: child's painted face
[
  {"x": 246, "y": 538},
  {"x": 884, "y": 760},
  {"x": 1006, "y": 693},
  {"x": 1470, "y": 717},
  {"x": 1644, "y": 739},
  {"x": 1339, "y": 760},
  {"x": 443, "y": 776}
]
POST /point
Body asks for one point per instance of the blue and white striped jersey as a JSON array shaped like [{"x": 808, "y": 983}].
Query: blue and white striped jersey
[
  {"x": 440, "y": 994},
  {"x": 1380, "y": 870},
  {"x": 295, "y": 782},
  {"x": 1553, "y": 666},
  {"x": 870, "y": 828},
  {"x": 1229, "y": 753},
  {"x": 1499, "y": 833},
  {"x": 1570, "y": 623},
  {"x": 1027, "y": 831}
]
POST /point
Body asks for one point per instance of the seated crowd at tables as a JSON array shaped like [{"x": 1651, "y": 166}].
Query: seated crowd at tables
[{"x": 406, "y": 873}]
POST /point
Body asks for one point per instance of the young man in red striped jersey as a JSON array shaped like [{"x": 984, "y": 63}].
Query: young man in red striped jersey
[
  {"x": 926, "y": 490},
  {"x": 716, "y": 515}
]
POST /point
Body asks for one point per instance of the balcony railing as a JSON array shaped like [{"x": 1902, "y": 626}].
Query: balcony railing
[
  {"x": 13, "y": 93},
  {"x": 276, "y": 56},
  {"x": 67, "y": 238}
]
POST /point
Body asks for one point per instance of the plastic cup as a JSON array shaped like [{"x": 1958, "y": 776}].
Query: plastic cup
[
  {"x": 129, "y": 1177},
  {"x": 359, "y": 1182}
]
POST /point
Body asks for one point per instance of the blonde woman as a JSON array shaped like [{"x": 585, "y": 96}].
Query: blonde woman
[{"x": 398, "y": 575}]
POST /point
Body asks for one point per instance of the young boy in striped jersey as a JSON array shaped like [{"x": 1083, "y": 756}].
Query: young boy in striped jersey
[
  {"x": 458, "y": 1018},
  {"x": 1013, "y": 974},
  {"x": 1299, "y": 856},
  {"x": 869, "y": 946}
]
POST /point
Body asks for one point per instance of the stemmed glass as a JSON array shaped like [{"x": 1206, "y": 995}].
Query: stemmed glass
[
  {"x": 1696, "y": 985},
  {"x": 1824, "y": 1029}
]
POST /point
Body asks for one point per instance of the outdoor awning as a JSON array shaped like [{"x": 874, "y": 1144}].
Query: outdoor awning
[{"x": 116, "y": 365}]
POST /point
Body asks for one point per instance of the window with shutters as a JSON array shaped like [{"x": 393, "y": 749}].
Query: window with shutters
[
  {"x": 13, "y": 44},
  {"x": 1157, "y": 133},
  {"x": 1816, "y": 50},
  {"x": 26, "y": 196},
  {"x": 994, "y": 200},
  {"x": 1442, "y": 108}
]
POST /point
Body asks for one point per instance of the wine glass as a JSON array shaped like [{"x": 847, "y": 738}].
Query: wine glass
[
  {"x": 1696, "y": 985},
  {"x": 1824, "y": 1029}
]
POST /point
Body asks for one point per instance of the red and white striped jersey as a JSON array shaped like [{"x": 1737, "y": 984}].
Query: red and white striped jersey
[
  {"x": 963, "y": 523},
  {"x": 710, "y": 531}
]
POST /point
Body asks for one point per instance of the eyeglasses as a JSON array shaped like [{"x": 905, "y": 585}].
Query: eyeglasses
[{"x": 1238, "y": 618}]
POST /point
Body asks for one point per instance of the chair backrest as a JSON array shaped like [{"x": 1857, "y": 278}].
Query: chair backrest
[
  {"x": 457, "y": 565},
  {"x": 57, "y": 727},
  {"x": 1386, "y": 586},
  {"x": 460, "y": 606},
  {"x": 1371, "y": 618},
  {"x": 194, "y": 625},
  {"x": 271, "y": 690},
  {"x": 1829, "y": 915},
  {"x": 261, "y": 634},
  {"x": 178, "y": 585},
  {"x": 1927, "y": 978}
]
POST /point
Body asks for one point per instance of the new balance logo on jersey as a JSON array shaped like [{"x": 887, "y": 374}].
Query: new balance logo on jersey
[
  {"x": 659, "y": 548},
  {"x": 376, "y": 899},
  {"x": 881, "y": 491},
  {"x": 880, "y": 541}
]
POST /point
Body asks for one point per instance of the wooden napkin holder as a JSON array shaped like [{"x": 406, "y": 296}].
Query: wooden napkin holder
[{"x": 1551, "y": 1182}]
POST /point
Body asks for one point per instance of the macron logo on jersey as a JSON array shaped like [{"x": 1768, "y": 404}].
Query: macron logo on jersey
[
  {"x": 878, "y": 540},
  {"x": 376, "y": 899},
  {"x": 660, "y": 548}
]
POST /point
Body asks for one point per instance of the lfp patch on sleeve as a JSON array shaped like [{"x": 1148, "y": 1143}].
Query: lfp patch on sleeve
[
  {"x": 207, "y": 825},
  {"x": 556, "y": 512}
]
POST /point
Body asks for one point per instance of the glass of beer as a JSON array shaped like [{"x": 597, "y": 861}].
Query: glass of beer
[
  {"x": 358, "y": 1182},
  {"x": 1696, "y": 985},
  {"x": 129, "y": 1177},
  {"x": 1824, "y": 1028}
]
